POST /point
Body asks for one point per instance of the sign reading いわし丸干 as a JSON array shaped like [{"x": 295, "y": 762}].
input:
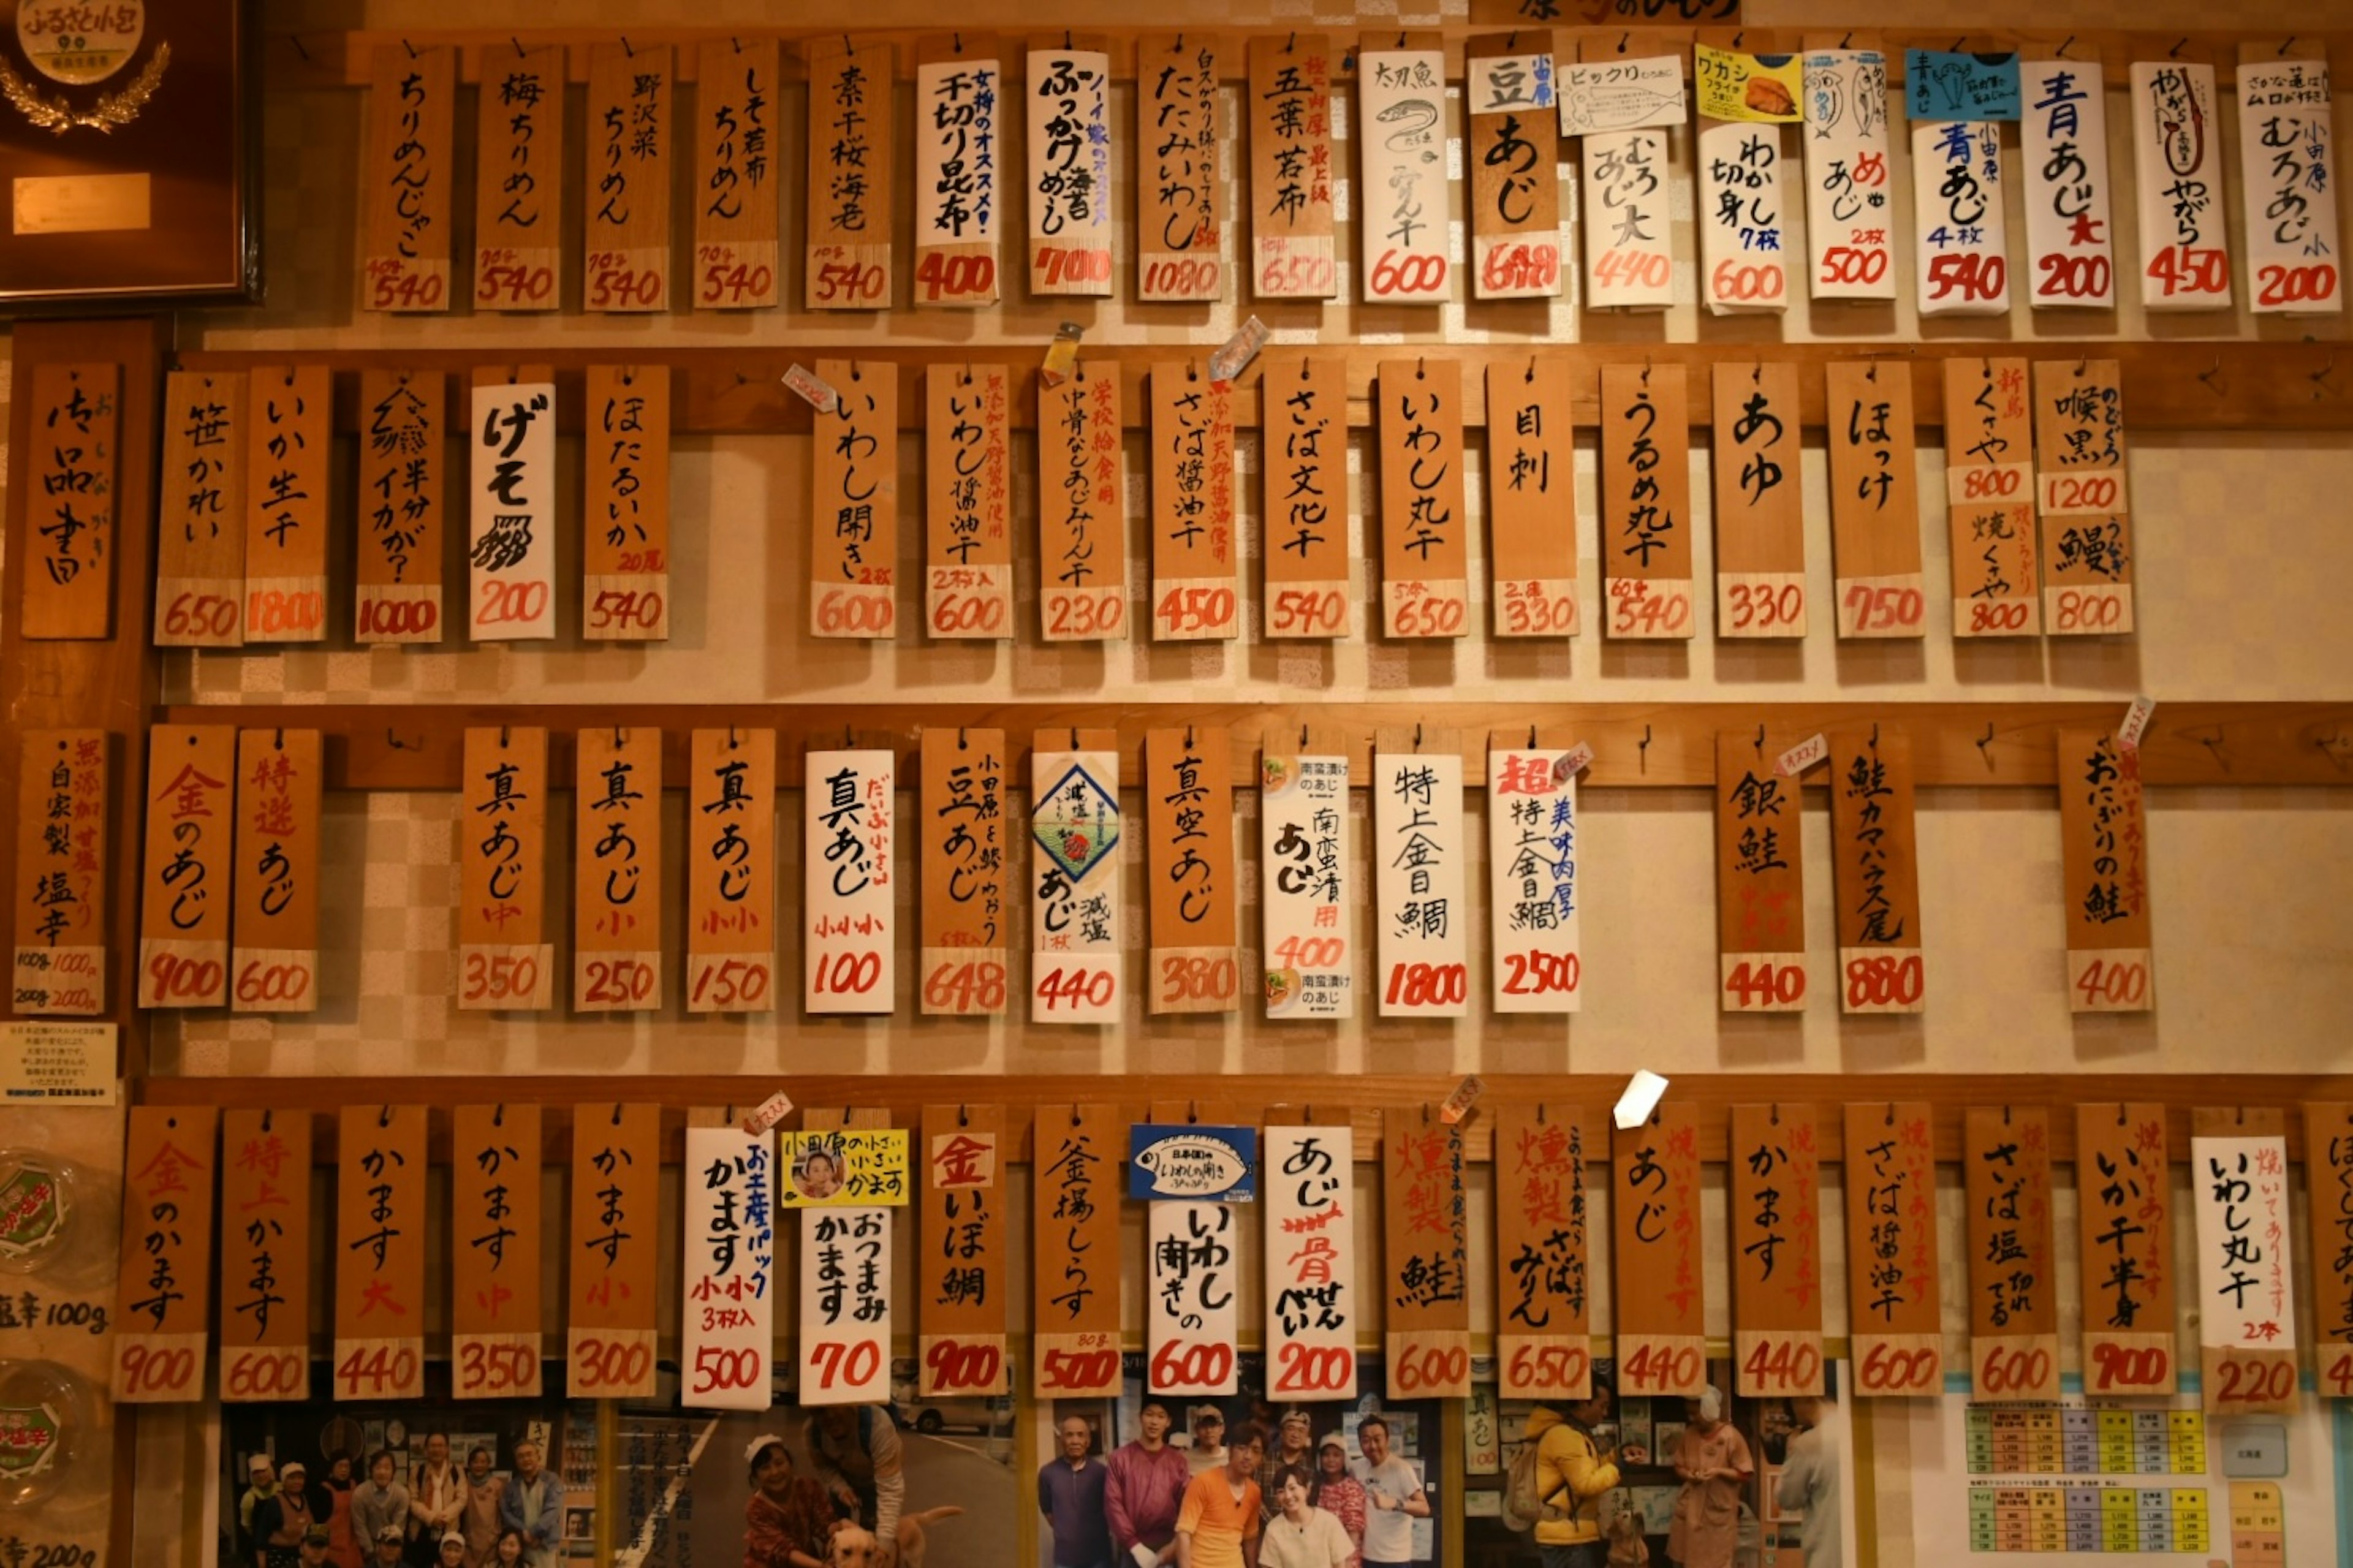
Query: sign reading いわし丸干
[{"x": 1216, "y": 1164}]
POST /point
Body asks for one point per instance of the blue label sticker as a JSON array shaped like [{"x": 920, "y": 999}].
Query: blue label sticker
[{"x": 1940, "y": 85}]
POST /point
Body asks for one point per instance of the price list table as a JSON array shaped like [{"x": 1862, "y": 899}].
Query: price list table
[
  {"x": 2046, "y": 1441},
  {"x": 2087, "y": 1516}
]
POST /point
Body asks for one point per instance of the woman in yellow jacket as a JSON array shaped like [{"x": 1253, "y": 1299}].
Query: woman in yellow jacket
[{"x": 1570, "y": 1475}]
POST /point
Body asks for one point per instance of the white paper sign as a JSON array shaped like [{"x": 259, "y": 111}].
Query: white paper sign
[
  {"x": 727, "y": 1321},
  {"x": 1310, "y": 1192},
  {"x": 1417, "y": 860},
  {"x": 1630, "y": 257},
  {"x": 2287, "y": 166},
  {"x": 845, "y": 1337},
  {"x": 1531, "y": 878},
  {"x": 1961, "y": 238},
  {"x": 1403, "y": 186},
  {"x": 2185, "y": 247},
  {"x": 1743, "y": 235},
  {"x": 2246, "y": 1281},
  {"x": 958, "y": 149},
  {"x": 847, "y": 853},
  {"x": 1311, "y": 961},
  {"x": 511, "y": 520},
  {"x": 1070, "y": 171},
  {"x": 1194, "y": 1291},
  {"x": 1075, "y": 914},
  {"x": 1850, "y": 255},
  {"x": 1620, "y": 95},
  {"x": 2064, "y": 161}
]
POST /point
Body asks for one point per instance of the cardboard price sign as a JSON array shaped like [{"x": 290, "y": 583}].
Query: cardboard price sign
[
  {"x": 1188, "y": 793},
  {"x": 163, "y": 1296},
  {"x": 1068, "y": 93},
  {"x": 410, "y": 175},
  {"x": 735, "y": 189},
  {"x": 1645, "y": 484},
  {"x": 2104, "y": 844},
  {"x": 961, "y": 1273},
  {"x": 70, "y": 525},
  {"x": 287, "y": 438},
  {"x": 1895, "y": 1332},
  {"x": 274, "y": 959},
  {"x": 850, "y": 850},
  {"x": 616, "y": 871},
  {"x": 1760, "y": 519},
  {"x": 854, "y": 521},
  {"x": 1875, "y": 867},
  {"x": 60, "y": 964},
  {"x": 959, "y": 189},
  {"x": 1874, "y": 500},
  {"x": 1655, "y": 1220},
  {"x": 1289, "y": 114},
  {"x": 2328, "y": 1182},
  {"x": 967, "y": 537},
  {"x": 200, "y": 532},
  {"x": 1083, "y": 509},
  {"x": 1195, "y": 590},
  {"x": 2246, "y": 1275},
  {"x": 504, "y": 959},
  {"x": 1312, "y": 1302},
  {"x": 2087, "y": 537},
  {"x": 1425, "y": 516},
  {"x": 964, "y": 850},
  {"x": 404, "y": 477},
  {"x": 1180, "y": 190},
  {"x": 1542, "y": 1349},
  {"x": 510, "y": 504},
  {"x": 1076, "y": 968},
  {"x": 627, "y": 188},
  {"x": 1426, "y": 1276},
  {"x": 1303, "y": 439},
  {"x": 379, "y": 1241},
  {"x": 2124, "y": 1195},
  {"x": 731, "y": 871},
  {"x": 1760, "y": 893},
  {"x": 519, "y": 181},
  {"x": 495, "y": 1233},
  {"x": 183, "y": 899},
  {"x": 847, "y": 260},
  {"x": 1775, "y": 1216},
  {"x": 1990, "y": 494},
  {"x": 612, "y": 1248},
  {"x": 2013, "y": 1261},
  {"x": 265, "y": 1255},
  {"x": 1077, "y": 1152},
  {"x": 1531, "y": 468},
  {"x": 625, "y": 494}
]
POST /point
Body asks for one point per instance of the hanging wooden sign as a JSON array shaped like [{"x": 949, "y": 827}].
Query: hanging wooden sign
[
  {"x": 163, "y": 1291},
  {"x": 625, "y": 494},
  {"x": 731, "y": 871},
  {"x": 2185, "y": 246},
  {"x": 265, "y": 1255},
  {"x": 2063, "y": 143},
  {"x": 1305, "y": 872},
  {"x": 846, "y": 1269},
  {"x": 1531, "y": 870},
  {"x": 1068, "y": 92},
  {"x": 1960, "y": 235},
  {"x": 505, "y": 962},
  {"x": 1188, "y": 796},
  {"x": 1195, "y": 589},
  {"x": 850, "y": 848},
  {"x": 627, "y": 196},
  {"x": 286, "y": 447},
  {"x": 1426, "y": 1276},
  {"x": 1542, "y": 1348},
  {"x": 1760, "y": 896},
  {"x": 69, "y": 523},
  {"x": 1076, "y": 909},
  {"x": 847, "y": 258},
  {"x": 854, "y": 522},
  {"x": 1074, "y": 1218},
  {"x": 967, "y": 538},
  {"x": 1654, "y": 1203},
  {"x": 1418, "y": 855},
  {"x": 404, "y": 474},
  {"x": 1179, "y": 188},
  {"x": 200, "y": 528},
  {"x": 1403, "y": 177},
  {"x": 727, "y": 1314},
  {"x": 2124, "y": 1203},
  {"x": 183, "y": 896},
  {"x": 411, "y": 172},
  {"x": 1645, "y": 484},
  {"x": 1293, "y": 252},
  {"x": 495, "y": 1234},
  {"x": 612, "y": 1248},
  {"x": 511, "y": 505},
  {"x": 2013, "y": 1261},
  {"x": 60, "y": 966},
  {"x": 1311, "y": 1303},
  {"x": 1304, "y": 443},
  {"x": 1512, "y": 101},
  {"x": 519, "y": 180},
  {"x": 2328, "y": 1188},
  {"x": 1874, "y": 500},
  {"x": 379, "y": 1241},
  {"x": 964, "y": 1272},
  {"x": 2288, "y": 179},
  {"x": 959, "y": 138},
  {"x": 1990, "y": 499},
  {"x": 1896, "y": 1334},
  {"x": 1743, "y": 230},
  {"x": 736, "y": 91},
  {"x": 1629, "y": 254},
  {"x": 1531, "y": 470},
  {"x": 274, "y": 963},
  {"x": 1774, "y": 1212},
  {"x": 616, "y": 871},
  {"x": 1760, "y": 514},
  {"x": 1425, "y": 516},
  {"x": 1848, "y": 157},
  {"x": 964, "y": 909},
  {"x": 2103, "y": 841},
  {"x": 2246, "y": 1275},
  {"x": 2080, "y": 490},
  {"x": 1082, "y": 510},
  {"x": 1876, "y": 866},
  {"x": 1194, "y": 1314}
]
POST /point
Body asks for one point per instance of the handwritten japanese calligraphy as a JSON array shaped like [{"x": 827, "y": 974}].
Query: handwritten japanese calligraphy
[
  {"x": 286, "y": 434},
  {"x": 1513, "y": 154},
  {"x": 1310, "y": 1263},
  {"x": 731, "y": 871},
  {"x": 1304, "y": 442},
  {"x": 2082, "y": 492},
  {"x": 1990, "y": 494},
  {"x": 1760, "y": 526},
  {"x": 1629, "y": 252},
  {"x": 2103, "y": 842},
  {"x": 1081, "y": 516},
  {"x": 2246, "y": 1276},
  {"x": 628, "y": 178},
  {"x": 2185, "y": 247},
  {"x": 727, "y": 1318},
  {"x": 1533, "y": 902},
  {"x": 1645, "y": 479},
  {"x": 2125, "y": 1227},
  {"x": 1847, "y": 155},
  {"x": 1892, "y": 1300},
  {"x": 519, "y": 181},
  {"x": 964, "y": 913},
  {"x": 1874, "y": 500},
  {"x": 1962, "y": 237},
  {"x": 1743, "y": 229},
  {"x": 1424, "y": 514},
  {"x": 1426, "y": 1270},
  {"x": 968, "y": 535},
  {"x": 1419, "y": 856},
  {"x": 2329, "y": 1166},
  {"x": 1760, "y": 905},
  {"x": 68, "y": 477},
  {"x": 1075, "y": 904},
  {"x": 737, "y": 175},
  {"x": 850, "y": 855},
  {"x": 854, "y": 515},
  {"x": 1289, "y": 111},
  {"x": 1401, "y": 189},
  {"x": 625, "y": 495},
  {"x": 1068, "y": 91},
  {"x": 1180, "y": 190},
  {"x": 200, "y": 528},
  {"x": 958, "y": 151},
  {"x": 1195, "y": 588},
  {"x": 617, "y": 870},
  {"x": 1192, "y": 1315},
  {"x": 511, "y": 513},
  {"x": 1309, "y": 945},
  {"x": 379, "y": 1241},
  {"x": 848, "y": 256},
  {"x": 59, "y": 963},
  {"x": 1194, "y": 908},
  {"x": 495, "y": 1236},
  {"x": 163, "y": 1296},
  {"x": 265, "y": 1255},
  {"x": 1655, "y": 1225},
  {"x": 1774, "y": 1212},
  {"x": 2288, "y": 172},
  {"x": 1075, "y": 1260},
  {"x": 1541, "y": 1279},
  {"x": 410, "y": 177},
  {"x": 504, "y": 959},
  {"x": 610, "y": 1248},
  {"x": 403, "y": 472},
  {"x": 961, "y": 1276},
  {"x": 1876, "y": 864},
  {"x": 2013, "y": 1269},
  {"x": 1531, "y": 470},
  {"x": 274, "y": 961},
  {"x": 185, "y": 904},
  {"x": 2063, "y": 137}
]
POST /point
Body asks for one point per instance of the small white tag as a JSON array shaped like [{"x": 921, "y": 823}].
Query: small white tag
[
  {"x": 1641, "y": 1097},
  {"x": 804, "y": 381},
  {"x": 1458, "y": 1104},
  {"x": 1236, "y": 351},
  {"x": 2135, "y": 724},
  {"x": 1573, "y": 762},
  {"x": 1801, "y": 756},
  {"x": 771, "y": 1110}
]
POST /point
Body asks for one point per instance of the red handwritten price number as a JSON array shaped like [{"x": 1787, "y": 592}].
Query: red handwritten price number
[
  {"x": 1311, "y": 952},
  {"x": 1084, "y": 614},
  {"x": 2236, "y": 1381},
  {"x": 1078, "y": 1366},
  {"x": 285, "y": 608},
  {"x": 1537, "y": 607},
  {"x": 1970, "y": 277},
  {"x": 183, "y": 973},
  {"x": 1183, "y": 277},
  {"x": 867, "y": 610},
  {"x": 264, "y": 1371},
  {"x": 1062, "y": 269},
  {"x": 1194, "y": 610},
  {"x": 1761, "y": 605},
  {"x": 1747, "y": 282},
  {"x": 717, "y": 983},
  {"x": 2100, "y": 610},
  {"x": 1296, "y": 267},
  {"x": 947, "y": 276},
  {"x": 950, "y": 1366},
  {"x": 509, "y": 279},
  {"x": 609, "y": 1364},
  {"x": 158, "y": 1369},
  {"x": 1306, "y": 1370},
  {"x": 625, "y": 279},
  {"x": 1976, "y": 617},
  {"x": 626, "y": 608},
  {"x": 379, "y": 1369},
  {"x": 274, "y": 980},
  {"x": 1671, "y": 1364},
  {"x": 1882, "y": 979},
  {"x": 2078, "y": 280},
  {"x": 1190, "y": 1366},
  {"x": 2337, "y": 1371},
  {"x": 1898, "y": 1363},
  {"x": 1982, "y": 482},
  {"x": 731, "y": 278},
  {"x": 843, "y": 1367},
  {"x": 2279, "y": 287},
  {"x": 1078, "y": 989},
  {"x": 1533, "y": 1368},
  {"x": 60, "y": 980},
  {"x": 718, "y": 1369},
  {"x": 1513, "y": 267},
  {"x": 494, "y": 1366},
  {"x": 1883, "y": 606},
  {"x": 849, "y": 277},
  {"x": 1764, "y": 982},
  {"x": 1414, "y": 608},
  {"x": 960, "y": 984},
  {"x": 1195, "y": 979},
  {"x": 1429, "y": 1363},
  {"x": 1851, "y": 265},
  {"x": 845, "y": 974},
  {"x": 1774, "y": 1363},
  {"x": 2099, "y": 493},
  {"x": 2014, "y": 1366},
  {"x": 2112, "y": 981},
  {"x": 1632, "y": 270},
  {"x": 2182, "y": 272},
  {"x": 398, "y": 614},
  {"x": 517, "y": 978},
  {"x": 197, "y": 612},
  {"x": 969, "y": 602},
  {"x": 1439, "y": 988},
  {"x": 1307, "y": 610},
  {"x": 1534, "y": 972},
  {"x": 616, "y": 981},
  {"x": 398, "y": 283},
  {"x": 1650, "y": 608},
  {"x": 2127, "y": 1363},
  {"x": 505, "y": 604}
]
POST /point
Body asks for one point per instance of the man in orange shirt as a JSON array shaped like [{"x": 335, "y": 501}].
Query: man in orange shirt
[{"x": 1217, "y": 1526}]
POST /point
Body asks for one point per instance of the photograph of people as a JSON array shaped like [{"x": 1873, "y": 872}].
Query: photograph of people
[
  {"x": 313, "y": 1550},
  {"x": 1301, "y": 1535},
  {"x": 452, "y": 1553},
  {"x": 1295, "y": 1441},
  {"x": 509, "y": 1551},
  {"x": 281, "y": 1519},
  {"x": 343, "y": 1536},
  {"x": 380, "y": 1502},
  {"x": 260, "y": 1481},
  {"x": 1070, "y": 1497},
  {"x": 855, "y": 1452},
  {"x": 818, "y": 1174},
  {"x": 1208, "y": 1450},
  {"x": 1340, "y": 1494},
  {"x": 1571, "y": 1477},
  {"x": 1711, "y": 1458},
  {"x": 1809, "y": 1482},
  {"x": 1393, "y": 1497},
  {"x": 391, "y": 1543},
  {"x": 532, "y": 1504},
  {"x": 788, "y": 1518},
  {"x": 1143, "y": 1487},
  {"x": 478, "y": 1520},
  {"x": 1217, "y": 1527},
  {"x": 436, "y": 1498}
]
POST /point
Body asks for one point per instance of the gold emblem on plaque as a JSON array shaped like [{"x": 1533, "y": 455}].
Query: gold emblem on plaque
[{"x": 80, "y": 43}]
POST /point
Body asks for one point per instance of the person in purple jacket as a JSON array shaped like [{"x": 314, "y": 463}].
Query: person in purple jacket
[{"x": 1146, "y": 1488}]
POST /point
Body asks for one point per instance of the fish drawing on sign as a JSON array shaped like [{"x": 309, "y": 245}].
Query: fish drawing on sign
[
  {"x": 2180, "y": 123},
  {"x": 1616, "y": 107},
  {"x": 1414, "y": 122},
  {"x": 1827, "y": 89}
]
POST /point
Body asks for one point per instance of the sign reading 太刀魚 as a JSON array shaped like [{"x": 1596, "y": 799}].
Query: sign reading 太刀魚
[{"x": 1213, "y": 1164}]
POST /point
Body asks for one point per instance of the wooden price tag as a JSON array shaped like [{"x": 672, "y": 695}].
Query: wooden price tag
[
  {"x": 1076, "y": 908},
  {"x": 519, "y": 180},
  {"x": 510, "y": 504},
  {"x": 280, "y": 863},
  {"x": 1874, "y": 500},
  {"x": 2185, "y": 245},
  {"x": 1303, "y": 439},
  {"x": 1531, "y": 473},
  {"x": 1426, "y": 1273},
  {"x": 1401, "y": 189},
  {"x": 968, "y": 539},
  {"x": 1645, "y": 485},
  {"x": 1510, "y": 97},
  {"x": 379, "y": 1241},
  {"x": 1180, "y": 190},
  {"x": 1876, "y": 866},
  {"x": 2124, "y": 1201},
  {"x": 2013, "y": 1261},
  {"x": 1068, "y": 89},
  {"x": 1532, "y": 869},
  {"x": 850, "y": 850},
  {"x": 69, "y": 521},
  {"x": 2103, "y": 840},
  {"x": 2287, "y": 178},
  {"x": 626, "y": 197},
  {"x": 1306, "y": 873},
  {"x": 1079, "y": 1152},
  {"x": 2087, "y": 539},
  {"x": 625, "y": 511},
  {"x": 1313, "y": 1304},
  {"x": 854, "y": 522},
  {"x": 410, "y": 174},
  {"x": 505, "y": 962},
  {"x": 1290, "y": 113},
  {"x": 287, "y": 442},
  {"x": 1542, "y": 1349},
  {"x": 966, "y": 847},
  {"x": 1425, "y": 518},
  {"x": 1192, "y": 1324},
  {"x": 962, "y": 1281},
  {"x": 1420, "y": 854},
  {"x": 1961, "y": 233},
  {"x": 1194, "y": 590},
  {"x": 613, "y": 1249},
  {"x": 616, "y": 871},
  {"x": 1760, "y": 514},
  {"x": 2246, "y": 1273},
  {"x": 200, "y": 528},
  {"x": 1188, "y": 808},
  {"x": 1654, "y": 1201},
  {"x": 1082, "y": 510},
  {"x": 727, "y": 1313},
  {"x": 2062, "y": 143},
  {"x": 495, "y": 1234},
  {"x": 1896, "y": 1334},
  {"x": 60, "y": 964},
  {"x": 1990, "y": 499},
  {"x": 1760, "y": 894},
  {"x": 731, "y": 871},
  {"x": 1849, "y": 217},
  {"x": 959, "y": 188},
  {"x": 404, "y": 474},
  {"x": 2329, "y": 1184},
  {"x": 737, "y": 97},
  {"x": 1630, "y": 257},
  {"x": 163, "y": 1297},
  {"x": 1743, "y": 266},
  {"x": 265, "y": 1255},
  {"x": 183, "y": 896},
  {"x": 847, "y": 260},
  {"x": 1774, "y": 1217}
]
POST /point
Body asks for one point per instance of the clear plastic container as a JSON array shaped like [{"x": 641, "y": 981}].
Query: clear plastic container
[{"x": 49, "y": 1454}]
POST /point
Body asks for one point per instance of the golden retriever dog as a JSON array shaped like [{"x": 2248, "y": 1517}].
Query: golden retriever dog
[{"x": 854, "y": 1546}]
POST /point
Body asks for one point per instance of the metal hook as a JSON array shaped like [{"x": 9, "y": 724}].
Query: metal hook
[
  {"x": 1511, "y": 41},
  {"x": 1425, "y": 1113},
  {"x": 280, "y": 743},
  {"x": 1303, "y": 737},
  {"x": 964, "y": 1116},
  {"x": 618, "y": 742},
  {"x": 2213, "y": 745},
  {"x": 1957, "y": 43},
  {"x": 731, "y": 737},
  {"x": 498, "y": 1114},
  {"x": 626, "y": 49},
  {"x": 2120, "y": 1113},
  {"x": 2208, "y": 375},
  {"x": 1188, "y": 737},
  {"x": 384, "y": 1116},
  {"x": 1874, "y": 734},
  {"x": 2005, "y": 1114},
  {"x": 1074, "y": 1115},
  {"x": 1540, "y": 1113},
  {"x": 1777, "y": 1113},
  {"x": 961, "y": 744},
  {"x": 1421, "y": 367},
  {"x": 1623, "y": 39},
  {"x": 1985, "y": 740},
  {"x": 1642, "y": 763},
  {"x": 1760, "y": 739},
  {"x": 2175, "y": 53},
  {"x": 2324, "y": 372},
  {"x": 395, "y": 741},
  {"x": 502, "y": 737},
  {"x": 2082, "y": 365},
  {"x": 1891, "y": 1113},
  {"x": 1871, "y": 375},
  {"x": 958, "y": 38},
  {"x": 2284, "y": 47},
  {"x": 1400, "y": 42},
  {"x": 266, "y": 1113},
  {"x": 1848, "y": 39},
  {"x": 845, "y": 1116},
  {"x": 1646, "y": 373},
  {"x": 296, "y": 39},
  {"x": 1417, "y": 737},
  {"x": 2062, "y": 50},
  {"x": 1066, "y": 37},
  {"x": 1532, "y": 370},
  {"x": 617, "y": 1113},
  {"x": 2334, "y": 746},
  {"x": 518, "y": 44},
  {"x": 1532, "y": 737},
  {"x": 1192, "y": 1112},
  {"x": 1292, "y": 45},
  {"x": 409, "y": 47},
  {"x": 738, "y": 43},
  {"x": 1757, "y": 376}
]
